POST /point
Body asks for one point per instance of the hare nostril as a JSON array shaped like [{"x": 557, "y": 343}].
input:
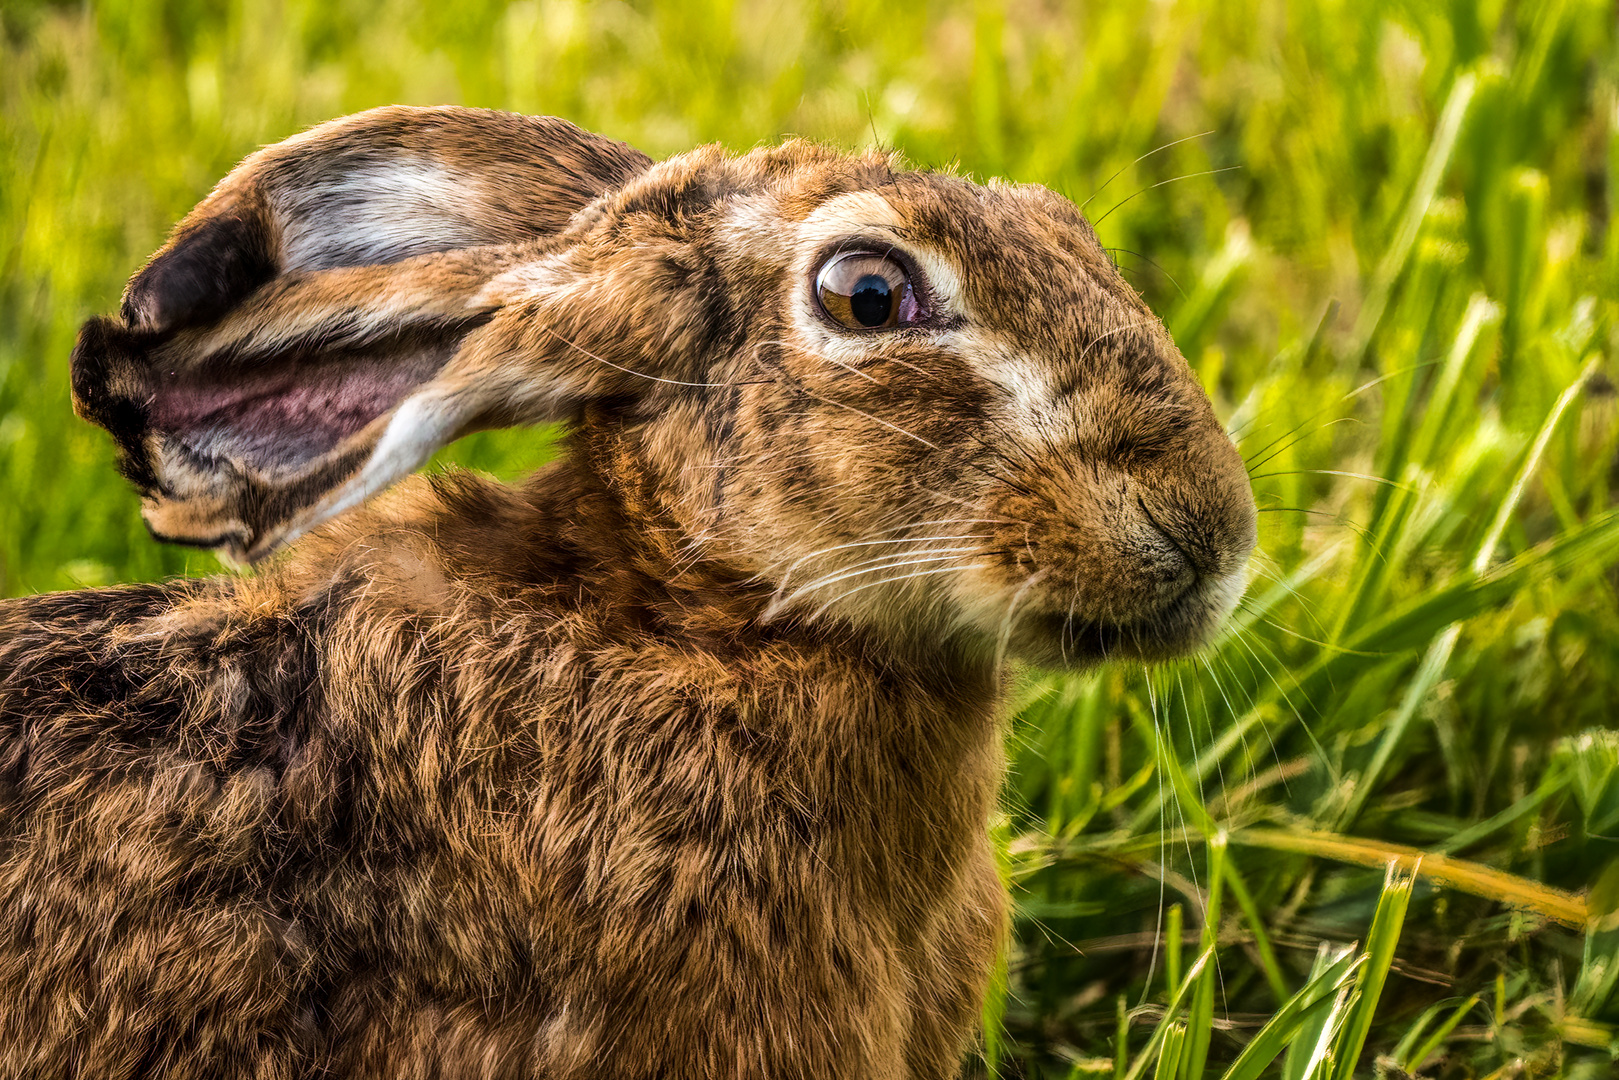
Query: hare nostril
[
  {"x": 1177, "y": 568},
  {"x": 1170, "y": 572},
  {"x": 1193, "y": 542}
]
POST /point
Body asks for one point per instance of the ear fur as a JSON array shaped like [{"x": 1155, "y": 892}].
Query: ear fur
[
  {"x": 265, "y": 349},
  {"x": 374, "y": 188}
]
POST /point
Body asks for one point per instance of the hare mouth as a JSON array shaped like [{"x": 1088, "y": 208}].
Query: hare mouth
[{"x": 1174, "y": 630}]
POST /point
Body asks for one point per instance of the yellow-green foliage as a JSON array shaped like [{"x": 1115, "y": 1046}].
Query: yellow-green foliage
[{"x": 1381, "y": 231}]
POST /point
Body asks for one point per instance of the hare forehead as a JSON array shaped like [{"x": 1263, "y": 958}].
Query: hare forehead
[{"x": 852, "y": 212}]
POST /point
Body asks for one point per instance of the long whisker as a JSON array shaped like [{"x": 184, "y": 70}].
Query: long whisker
[
  {"x": 824, "y": 356},
  {"x": 1320, "y": 750},
  {"x": 781, "y": 375},
  {"x": 1337, "y": 519},
  {"x": 886, "y": 563},
  {"x": 1253, "y": 708},
  {"x": 1139, "y": 160},
  {"x": 1191, "y": 733},
  {"x": 1099, "y": 338},
  {"x": 887, "y": 581},
  {"x": 1163, "y": 842},
  {"x": 1286, "y": 584},
  {"x": 801, "y": 388},
  {"x": 1159, "y": 184},
  {"x": 1219, "y": 766},
  {"x": 1005, "y": 637},
  {"x": 1348, "y": 396},
  {"x": 1231, "y": 711},
  {"x": 1262, "y": 460},
  {"x": 802, "y": 559},
  {"x": 1323, "y": 644},
  {"x": 958, "y": 500},
  {"x": 1152, "y": 263},
  {"x": 1334, "y": 472},
  {"x": 629, "y": 371}
]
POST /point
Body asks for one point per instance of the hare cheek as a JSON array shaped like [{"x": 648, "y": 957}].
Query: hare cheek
[{"x": 1024, "y": 387}]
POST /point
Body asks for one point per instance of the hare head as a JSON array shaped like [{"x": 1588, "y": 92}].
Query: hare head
[{"x": 918, "y": 404}]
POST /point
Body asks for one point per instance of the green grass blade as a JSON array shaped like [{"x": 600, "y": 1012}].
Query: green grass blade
[
  {"x": 1172, "y": 1056},
  {"x": 1389, "y": 530},
  {"x": 1200, "y": 1012},
  {"x": 1531, "y": 465},
  {"x": 1416, "y": 208},
  {"x": 1414, "y": 1061},
  {"x": 1553, "y": 784},
  {"x": 1439, "y": 653},
  {"x": 1256, "y": 926},
  {"x": 1381, "y": 942},
  {"x": 1121, "y": 1035},
  {"x": 1174, "y": 934},
  {"x": 1309, "y": 1048},
  {"x": 1475, "y": 879},
  {"x": 1402, "y": 1049},
  {"x": 1172, "y": 1011},
  {"x": 1312, "y": 1002}
]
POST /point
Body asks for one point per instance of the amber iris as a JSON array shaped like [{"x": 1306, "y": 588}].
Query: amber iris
[{"x": 865, "y": 291}]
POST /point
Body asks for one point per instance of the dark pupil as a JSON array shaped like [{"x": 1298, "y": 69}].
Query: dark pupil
[{"x": 871, "y": 301}]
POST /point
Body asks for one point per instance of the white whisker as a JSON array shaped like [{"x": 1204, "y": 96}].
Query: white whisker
[
  {"x": 887, "y": 581},
  {"x": 1005, "y": 637},
  {"x": 884, "y": 563}
]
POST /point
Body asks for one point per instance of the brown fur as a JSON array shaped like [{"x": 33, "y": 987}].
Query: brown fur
[{"x": 674, "y": 762}]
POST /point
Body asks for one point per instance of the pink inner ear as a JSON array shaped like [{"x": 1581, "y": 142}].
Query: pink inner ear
[{"x": 292, "y": 412}]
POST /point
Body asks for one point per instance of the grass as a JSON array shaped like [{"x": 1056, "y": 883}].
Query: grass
[{"x": 1380, "y": 814}]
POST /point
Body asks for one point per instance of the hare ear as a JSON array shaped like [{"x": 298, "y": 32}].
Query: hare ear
[
  {"x": 265, "y": 350},
  {"x": 374, "y": 188}
]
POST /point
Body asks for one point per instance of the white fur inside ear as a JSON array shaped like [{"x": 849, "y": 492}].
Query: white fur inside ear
[
  {"x": 375, "y": 213},
  {"x": 419, "y": 426}
]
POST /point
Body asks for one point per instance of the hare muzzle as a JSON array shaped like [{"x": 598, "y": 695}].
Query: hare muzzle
[{"x": 975, "y": 366}]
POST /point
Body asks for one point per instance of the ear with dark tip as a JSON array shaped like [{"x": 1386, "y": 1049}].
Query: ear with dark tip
[
  {"x": 374, "y": 188},
  {"x": 326, "y": 282},
  {"x": 205, "y": 269},
  {"x": 104, "y": 369},
  {"x": 231, "y": 429}
]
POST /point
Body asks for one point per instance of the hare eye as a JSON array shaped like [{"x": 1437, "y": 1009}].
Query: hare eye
[{"x": 863, "y": 291}]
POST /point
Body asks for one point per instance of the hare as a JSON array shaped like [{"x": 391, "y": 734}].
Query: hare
[{"x": 674, "y": 761}]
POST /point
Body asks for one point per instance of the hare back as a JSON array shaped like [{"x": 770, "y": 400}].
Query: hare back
[{"x": 395, "y": 809}]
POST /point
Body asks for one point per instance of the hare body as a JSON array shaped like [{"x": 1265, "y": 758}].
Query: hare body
[
  {"x": 397, "y": 809},
  {"x": 677, "y": 760}
]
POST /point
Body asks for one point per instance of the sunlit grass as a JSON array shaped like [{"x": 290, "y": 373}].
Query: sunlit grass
[{"x": 1381, "y": 234}]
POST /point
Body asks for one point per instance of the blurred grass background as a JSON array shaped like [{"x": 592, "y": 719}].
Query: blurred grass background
[{"x": 1381, "y": 233}]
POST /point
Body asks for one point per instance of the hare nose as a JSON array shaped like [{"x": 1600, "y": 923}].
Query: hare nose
[
  {"x": 1182, "y": 548},
  {"x": 1169, "y": 566},
  {"x": 1202, "y": 537}
]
